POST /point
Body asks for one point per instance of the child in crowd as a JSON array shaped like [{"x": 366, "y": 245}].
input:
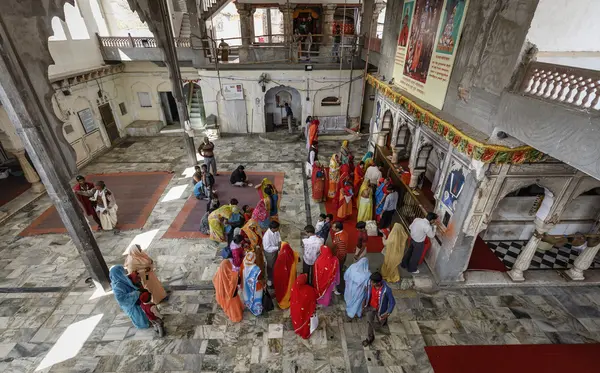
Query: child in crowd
[
  {"x": 151, "y": 311},
  {"x": 237, "y": 251},
  {"x": 324, "y": 231},
  {"x": 362, "y": 238},
  {"x": 247, "y": 211},
  {"x": 214, "y": 203},
  {"x": 320, "y": 222}
]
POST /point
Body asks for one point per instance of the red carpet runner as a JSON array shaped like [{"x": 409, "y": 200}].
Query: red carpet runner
[
  {"x": 136, "y": 194},
  {"x": 187, "y": 222},
  {"x": 484, "y": 259},
  {"x": 578, "y": 358},
  {"x": 374, "y": 245}
]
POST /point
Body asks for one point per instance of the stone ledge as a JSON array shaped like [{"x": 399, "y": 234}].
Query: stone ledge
[{"x": 141, "y": 128}]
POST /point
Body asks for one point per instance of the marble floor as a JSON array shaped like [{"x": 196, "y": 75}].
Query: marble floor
[{"x": 50, "y": 321}]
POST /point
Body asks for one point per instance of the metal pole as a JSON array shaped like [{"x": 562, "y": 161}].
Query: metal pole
[{"x": 172, "y": 63}]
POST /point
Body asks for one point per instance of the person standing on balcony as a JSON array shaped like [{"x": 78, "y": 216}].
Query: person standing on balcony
[
  {"x": 224, "y": 50},
  {"x": 308, "y": 41},
  {"x": 337, "y": 40},
  {"x": 206, "y": 150},
  {"x": 289, "y": 114},
  {"x": 420, "y": 229}
]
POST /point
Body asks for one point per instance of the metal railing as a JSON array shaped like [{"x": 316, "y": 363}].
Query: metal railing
[
  {"x": 572, "y": 86},
  {"x": 258, "y": 49}
]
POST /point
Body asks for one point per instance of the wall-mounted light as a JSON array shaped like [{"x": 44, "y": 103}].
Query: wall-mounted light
[{"x": 308, "y": 67}]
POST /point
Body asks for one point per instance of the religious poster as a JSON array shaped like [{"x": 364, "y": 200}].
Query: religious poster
[
  {"x": 427, "y": 47},
  {"x": 455, "y": 181}
]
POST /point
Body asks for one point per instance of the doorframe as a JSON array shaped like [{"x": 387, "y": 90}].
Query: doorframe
[{"x": 107, "y": 141}]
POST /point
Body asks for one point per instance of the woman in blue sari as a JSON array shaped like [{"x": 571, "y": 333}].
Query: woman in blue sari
[
  {"x": 253, "y": 286},
  {"x": 127, "y": 295},
  {"x": 380, "y": 193},
  {"x": 357, "y": 278}
]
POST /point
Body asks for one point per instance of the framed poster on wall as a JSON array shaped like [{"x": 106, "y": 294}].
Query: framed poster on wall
[
  {"x": 87, "y": 120},
  {"x": 429, "y": 36},
  {"x": 233, "y": 92}
]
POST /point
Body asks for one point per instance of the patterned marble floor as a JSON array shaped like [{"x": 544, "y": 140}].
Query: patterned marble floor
[
  {"x": 556, "y": 258},
  {"x": 51, "y": 322}
]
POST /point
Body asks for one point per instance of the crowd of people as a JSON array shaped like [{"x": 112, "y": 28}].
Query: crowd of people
[{"x": 257, "y": 262}]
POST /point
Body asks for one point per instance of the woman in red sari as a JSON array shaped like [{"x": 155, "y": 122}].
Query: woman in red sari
[
  {"x": 359, "y": 175},
  {"x": 83, "y": 191},
  {"x": 345, "y": 200},
  {"x": 326, "y": 275},
  {"x": 344, "y": 176},
  {"x": 284, "y": 274},
  {"x": 303, "y": 304},
  {"x": 318, "y": 182}
]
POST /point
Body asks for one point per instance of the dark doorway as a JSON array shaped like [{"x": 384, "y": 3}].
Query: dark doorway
[
  {"x": 169, "y": 106},
  {"x": 109, "y": 122}
]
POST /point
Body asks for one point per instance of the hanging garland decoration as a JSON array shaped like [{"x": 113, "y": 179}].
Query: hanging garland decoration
[{"x": 486, "y": 153}]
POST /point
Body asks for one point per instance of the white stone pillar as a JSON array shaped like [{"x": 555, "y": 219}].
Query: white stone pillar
[
  {"x": 377, "y": 8},
  {"x": 583, "y": 262},
  {"x": 32, "y": 177},
  {"x": 328, "y": 18},
  {"x": 414, "y": 178},
  {"x": 288, "y": 21},
  {"x": 524, "y": 258}
]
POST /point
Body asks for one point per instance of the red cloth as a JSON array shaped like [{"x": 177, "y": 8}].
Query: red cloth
[
  {"x": 313, "y": 132},
  {"x": 344, "y": 175},
  {"x": 147, "y": 308},
  {"x": 325, "y": 269},
  {"x": 426, "y": 247},
  {"x": 85, "y": 200},
  {"x": 362, "y": 239},
  {"x": 375, "y": 294},
  {"x": 284, "y": 264},
  {"x": 359, "y": 175},
  {"x": 303, "y": 304},
  {"x": 318, "y": 184},
  {"x": 238, "y": 256}
]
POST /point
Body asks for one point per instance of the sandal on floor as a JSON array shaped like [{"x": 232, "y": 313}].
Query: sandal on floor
[{"x": 367, "y": 342}]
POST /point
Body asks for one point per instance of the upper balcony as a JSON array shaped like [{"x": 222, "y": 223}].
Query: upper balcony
[
  {"x": 556, "y": 109},
  {"x": 238, "y": 53}
]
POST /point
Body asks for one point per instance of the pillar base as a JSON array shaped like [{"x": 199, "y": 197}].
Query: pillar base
[
  {"x": 516, "y": 276},
  {"x": 38, "y": 187},
  {"x": 575, "y": 275}
]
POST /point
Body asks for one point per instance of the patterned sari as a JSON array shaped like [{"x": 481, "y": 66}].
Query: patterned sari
[
  {"x": 284, "y": 274},
  {"x": 334, "y": 176},
  {"x": 215, "y": 222},
  {"x": 318, "y": 182},
  {"x": 253, "y": 289},
  {"x": 253, "y": 235}
]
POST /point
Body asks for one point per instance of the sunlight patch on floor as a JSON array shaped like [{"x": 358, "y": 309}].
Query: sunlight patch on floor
[
  {"x": 142, "y": 239},
  {"x": 70, "y": 342},
  {"x": 174, "y": 193}
]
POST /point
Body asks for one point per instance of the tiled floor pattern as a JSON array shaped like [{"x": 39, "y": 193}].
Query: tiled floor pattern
[
  {"x": 71, "y": 329},
  {"x": 555, "y": 258},
  {"x": 43, "y": 331}
]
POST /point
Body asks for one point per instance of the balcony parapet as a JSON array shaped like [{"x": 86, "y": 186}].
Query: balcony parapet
[{"x": 574, "y": 87}]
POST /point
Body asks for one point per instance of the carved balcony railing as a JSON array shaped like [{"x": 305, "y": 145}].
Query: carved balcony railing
[
  {"x": 138, "y": 42},
  {"x": 575, "y": 87}
]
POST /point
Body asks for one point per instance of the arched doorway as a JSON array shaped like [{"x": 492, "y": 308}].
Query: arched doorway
[
  {"x": 510, "y": 226},
  {"x": 275, "y": 100},
  {"x": 387, "y": 125},
  {"x": 195, "y": 103},
  {"x": 403, "y": 141}
]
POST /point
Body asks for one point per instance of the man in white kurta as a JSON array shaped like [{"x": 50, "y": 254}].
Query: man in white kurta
[{"x": 106, "y": 206}]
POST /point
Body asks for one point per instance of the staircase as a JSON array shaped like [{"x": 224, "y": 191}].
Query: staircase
[
  {"x": 210, "y": 7},
  {"x": 185, "y": 31},
  {"x": 196, "y": 108}
]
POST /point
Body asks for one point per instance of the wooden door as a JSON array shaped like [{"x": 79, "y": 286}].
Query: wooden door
[{"x": 109, "y": 122}]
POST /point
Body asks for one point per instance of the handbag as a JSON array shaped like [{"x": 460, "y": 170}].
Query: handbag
[
  {"x": 371, "y": 228},
  {"x": 267, "y": 301}
]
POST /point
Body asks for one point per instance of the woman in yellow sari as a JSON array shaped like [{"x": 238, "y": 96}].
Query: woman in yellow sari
[
  {"x": 365, "y": 202},
  {"x": 271, "y": 197},
  {"x": 253, "y": 235},
  {"x": 334, "y": 176},
  {"x": 216, "y": 220},
  {"x": 394, "y": 251}
]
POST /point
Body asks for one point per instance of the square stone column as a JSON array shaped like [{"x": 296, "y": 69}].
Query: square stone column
[
  {"x": 328, "y": 19},
  {"x": 288, "y": 21},
  {"x": 246, "y": 12},
  {"x": 26, "y": 95}
]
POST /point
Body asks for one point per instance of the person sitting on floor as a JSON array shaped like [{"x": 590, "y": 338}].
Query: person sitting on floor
[
  {"x": 239, "y": 178},
  {"x": 151, "y": 311}
]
